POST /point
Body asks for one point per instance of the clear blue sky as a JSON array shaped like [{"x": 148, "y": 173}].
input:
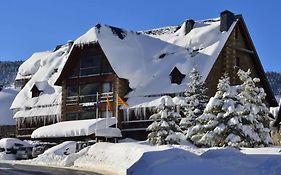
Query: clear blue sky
[{"x": 28, "y": 26}]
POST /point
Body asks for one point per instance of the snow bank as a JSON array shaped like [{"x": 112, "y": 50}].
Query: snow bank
[
  {"x": 60, "y": 155},
  {"x": 138, "y": 159},
  {"x": 113, "y": 158},
  {"x": 6, "y": 98},
  {"x": 73, "y": 128}
]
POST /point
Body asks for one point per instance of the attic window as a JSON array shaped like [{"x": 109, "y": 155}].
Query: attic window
[
  {"x": 35, "y": 92},
  {"x": 176, "y": 76}
]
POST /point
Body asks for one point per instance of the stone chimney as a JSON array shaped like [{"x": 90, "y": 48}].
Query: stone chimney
[
  {"x": 226, "y": 18},
  {"x": 189, "y": 26}
]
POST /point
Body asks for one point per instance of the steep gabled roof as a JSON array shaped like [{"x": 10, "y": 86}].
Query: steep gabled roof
[{"x": 147, "y": 58}]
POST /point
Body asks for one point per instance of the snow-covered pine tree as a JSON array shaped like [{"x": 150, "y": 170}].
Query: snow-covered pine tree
[
  {"x": 164, "y": 130},
  {"x": 196, "y": 100},
  {"x": 217, "y": 125},
  {"x": 255, "y": 116}
]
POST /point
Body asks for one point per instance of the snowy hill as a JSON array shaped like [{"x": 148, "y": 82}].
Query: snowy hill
[
  {"x": 7, "y": 96},
  {"x": 8, "y": 71}
]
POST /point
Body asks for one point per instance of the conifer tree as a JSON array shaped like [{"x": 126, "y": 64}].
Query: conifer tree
[
  {"x": 235, "y": 116},
  {"x": 255, "y": 115},
  {"x": 196, "y": 100},
  {"x": 164, "y": 130}
]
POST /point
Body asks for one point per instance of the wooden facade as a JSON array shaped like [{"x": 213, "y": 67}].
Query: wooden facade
[{"x": 87, "y": 81}]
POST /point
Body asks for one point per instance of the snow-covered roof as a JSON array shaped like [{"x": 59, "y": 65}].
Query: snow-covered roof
[
  {"x": 7, "y": 96},
  {"x": 151, "y": 56},
  {"x": 39, "y": 111},
  {"x": 43, "y": 70},
  {"x": 147, "y": 102},
  {"x": 73, "y": 128}
]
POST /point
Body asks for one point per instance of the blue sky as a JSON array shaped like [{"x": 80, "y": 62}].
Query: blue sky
[{"x": 33, "y": 25}]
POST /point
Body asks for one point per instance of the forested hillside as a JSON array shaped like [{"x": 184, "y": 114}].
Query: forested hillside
[
  {"x": 274, "y": 79},
  {"x": 8, "y": 72}
]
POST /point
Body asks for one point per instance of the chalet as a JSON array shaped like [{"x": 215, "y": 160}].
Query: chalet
[{"x": 84, "y": 78}]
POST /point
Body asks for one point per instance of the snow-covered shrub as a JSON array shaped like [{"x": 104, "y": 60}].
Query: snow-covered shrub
[
  {"x": 235, "y": 116},
  {"x": 196, "y": 100},
  {"x": 164, "y": 129}
]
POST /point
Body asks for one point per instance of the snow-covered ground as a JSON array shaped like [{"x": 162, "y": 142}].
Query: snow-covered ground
[{"x": 138, "y": 158}]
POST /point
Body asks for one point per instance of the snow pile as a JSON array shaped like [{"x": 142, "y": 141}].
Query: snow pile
[
  {"x": 113, "y": 158},
  {"x": 73, "y": 128},
  {"x": 60, "y": 155},
  {"x": 7, "y": 96},
  {"x": 8, "y": 143},
  {"x": 138, "y": 159}
]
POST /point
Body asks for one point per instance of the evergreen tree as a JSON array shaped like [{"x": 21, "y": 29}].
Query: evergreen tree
[
  {"x": 196, "y": 100},
  {"x": 255, "y": 116},
  {"x": 164, "y": 130},
  {"x": 217, "y": 126},
  {"x": 235, "y": 116}
]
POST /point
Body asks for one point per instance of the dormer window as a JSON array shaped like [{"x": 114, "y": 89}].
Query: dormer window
[
  {"x": 176, "y": 76},
  {"x": 35, "y": 92}
]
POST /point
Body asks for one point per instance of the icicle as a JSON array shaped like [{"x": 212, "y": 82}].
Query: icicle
[{"x": 144, "y": 113}]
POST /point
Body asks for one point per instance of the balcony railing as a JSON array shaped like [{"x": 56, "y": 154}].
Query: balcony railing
[{"x": 89, "y": 98}]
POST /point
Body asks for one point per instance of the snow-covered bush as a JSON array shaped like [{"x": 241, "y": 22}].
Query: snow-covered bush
[
  {"x": 164, "y": 129},
  {"x": 196, "y": 100},
  {"x": 235, "y": 116}
]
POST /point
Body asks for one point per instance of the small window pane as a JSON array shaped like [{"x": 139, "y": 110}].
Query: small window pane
[
  {"x": 106, "y": 87},
  {"x": 104, "y": 114},
  {"x": 74, "y": 73},
  {"x": 87, "y": 115},
  {"x": 72, "y": 90},
  {"x": 71, "y": 116},
  {"x": 89, "y": 71},
  {"x": 90, "y": 61},
  {"x": 89, "y": 89}
]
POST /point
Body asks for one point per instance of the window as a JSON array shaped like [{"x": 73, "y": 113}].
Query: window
[
  {"x": 88, "y": 92},
  {"x": 87, "y": 115},
  {"x": 104, "y": 114},
  {"x": 89, "y": 89},
  {"x": 90, "y": 65},
  {"x": 72, "y": 90},
  {"x": 106, "y": 68},
  {"x": 71, "y": 116},
  {"x": 176, "y": 76},
  {"x": 74, "y": 73},
  {"x": 106, "y": 87}
]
